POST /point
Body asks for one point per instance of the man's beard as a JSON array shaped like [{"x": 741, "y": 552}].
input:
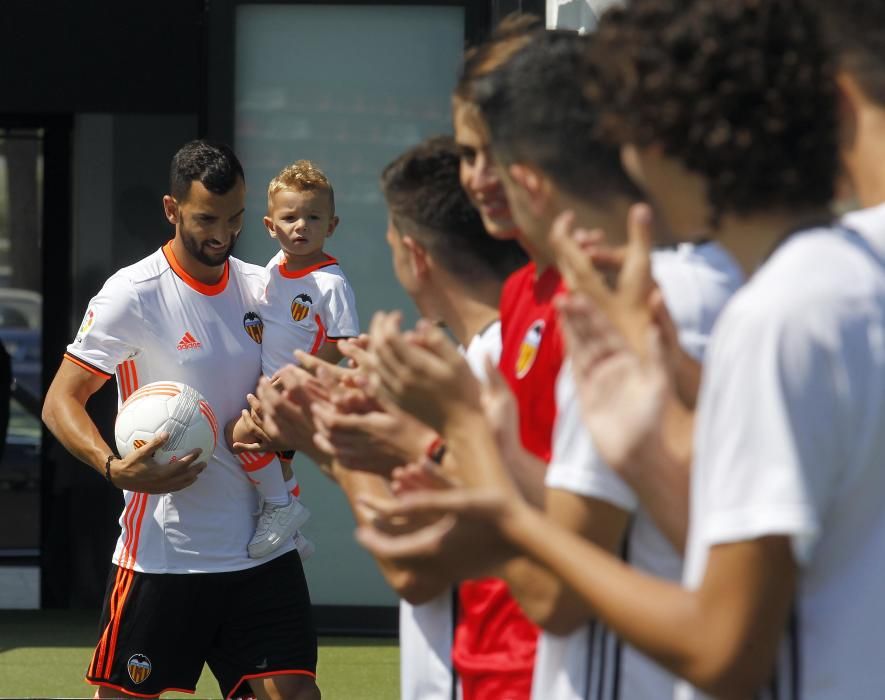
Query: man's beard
[{"x": 198, "y": 251}]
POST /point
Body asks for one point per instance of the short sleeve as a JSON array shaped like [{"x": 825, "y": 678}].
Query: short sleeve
[
  {"x": 339, "y": 314},
  {"x": 575, "y": 465},
  {"x": 111, "y": 329},
  {"x": 767, "y": 445},
  {"x": 696, "y": 283}
]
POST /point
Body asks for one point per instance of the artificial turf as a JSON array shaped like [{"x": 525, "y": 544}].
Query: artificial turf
[{"x": 43, "y": 654}]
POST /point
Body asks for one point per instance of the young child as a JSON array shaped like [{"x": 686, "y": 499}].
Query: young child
[{"x": 308, "y": 305}]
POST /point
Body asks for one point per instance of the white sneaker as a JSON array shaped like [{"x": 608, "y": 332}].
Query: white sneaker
[
  {"x": 276, "y": 525},
  {"x": 305, "y": 547}
]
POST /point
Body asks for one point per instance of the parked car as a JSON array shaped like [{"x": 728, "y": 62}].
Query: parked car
[{"x": 21, "y": 318}]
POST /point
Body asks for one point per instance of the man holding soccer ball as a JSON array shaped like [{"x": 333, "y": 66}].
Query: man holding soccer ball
[{"x": 183, "y": 590}]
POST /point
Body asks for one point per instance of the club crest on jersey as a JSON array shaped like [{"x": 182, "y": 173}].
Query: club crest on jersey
[
  {"x": 86, "y": 326},
  {"x": 528, "y": 350},
  {"x": 254, "y": 326},
  {"x": 139, "y": 668},
  {"x": 301, "y": 307}
]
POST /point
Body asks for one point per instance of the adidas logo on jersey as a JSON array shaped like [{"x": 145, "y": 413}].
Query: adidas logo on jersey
[{"x": 188, "y": 342}]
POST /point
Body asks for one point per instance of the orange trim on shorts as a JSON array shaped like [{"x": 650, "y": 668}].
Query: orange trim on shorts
[
  {"x": 102, "y": 659},
  {"x": 124, "y": 582},
  {"x": 295, "y": 274},
  {"x": 296, "y": 491},
  {"x": 208, "y": 289},
  {"x": 140, "y": 695},
  {"x": 82, "y": 364},
  {"x": 321, "y": 336},
  {"x": 249, "y": 676},
  {"x": 253, "y": 461}
]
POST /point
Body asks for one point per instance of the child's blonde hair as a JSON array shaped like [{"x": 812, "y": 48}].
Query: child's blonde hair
[{"x": 302, "y": 175}]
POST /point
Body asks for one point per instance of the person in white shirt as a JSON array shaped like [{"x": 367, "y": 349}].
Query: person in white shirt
[
  {"x": 308, "y": 305},
  {"x": 787, "y": 519},
  {"x": 181, "y": 562},
  {"x": 543, "y": 133}
]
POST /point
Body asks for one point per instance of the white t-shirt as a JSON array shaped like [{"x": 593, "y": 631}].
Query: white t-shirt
[
  {"x": 426, "y": 631},
  {"x": 152, "y": 322},
  {"x": 304, "y": 308},
  {"x": 696, "y": 282},
  {"x": 790, "y": 440}
]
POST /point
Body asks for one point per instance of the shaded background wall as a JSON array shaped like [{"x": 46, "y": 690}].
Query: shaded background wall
[{"x": 112, "y": 90}]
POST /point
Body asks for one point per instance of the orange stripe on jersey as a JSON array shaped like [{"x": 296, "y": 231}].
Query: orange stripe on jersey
[
  {"x": 135, "y": 524},
  {"x": 85, "y": 365},
  {"x": 296, "y": 491},
  {"x": 130, "y": 379},
  {"x": 124, "y": 377},
  {"x": 295, "y": 274},
  {"x": 192, "y": 282},
  {"x": 210, "y": 416},
  {"x": 321, "y": 336},
  {"x": 134, "y": 374},
  {"x": 254, "y": 461}
]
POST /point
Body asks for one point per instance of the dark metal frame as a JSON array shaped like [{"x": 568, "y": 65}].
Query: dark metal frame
[{"x": 56, "y": 262}]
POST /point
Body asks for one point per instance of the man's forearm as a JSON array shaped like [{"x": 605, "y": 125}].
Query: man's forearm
[
  {"x": 663, "y": 483},
  {"x": 414, "y": 586},
  {"x": 71, "y": 425}
]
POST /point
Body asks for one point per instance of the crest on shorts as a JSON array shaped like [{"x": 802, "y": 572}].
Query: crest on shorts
[
  {"x": 86, "y": 326},
  {"x": 301, "y": 307},
  {"x": 254, "y": 326},
  {"x": 528, "y": 351},
  {"x": 139, "y": 667}
]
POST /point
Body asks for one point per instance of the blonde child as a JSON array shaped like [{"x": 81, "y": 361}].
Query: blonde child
[{"x": 308, "y": 305}]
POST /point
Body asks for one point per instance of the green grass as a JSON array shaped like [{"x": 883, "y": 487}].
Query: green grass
[{"x": 44, "y": 654}]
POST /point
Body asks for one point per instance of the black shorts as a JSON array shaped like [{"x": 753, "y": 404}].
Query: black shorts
[{"x": 157, "y": 630}]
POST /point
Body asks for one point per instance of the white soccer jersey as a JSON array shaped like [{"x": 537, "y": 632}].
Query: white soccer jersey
[
  {"x": 153, "y": 322},
  {"x": 426, "y": 631},
  {"x": 790, "y": 440},
  {"x": 696, "y": 282},
  {"x": 304, "y": 308}
]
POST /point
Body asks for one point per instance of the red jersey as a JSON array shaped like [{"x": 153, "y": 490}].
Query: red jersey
[{"x": 494, "y": 649}]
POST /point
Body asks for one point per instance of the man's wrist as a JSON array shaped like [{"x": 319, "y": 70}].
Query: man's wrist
[
  {"x": 436, "y": 449},
  {"x": 107, "y": 468}
]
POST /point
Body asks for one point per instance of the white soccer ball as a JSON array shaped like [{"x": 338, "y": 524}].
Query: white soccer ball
[{"x": 172, "y": 407}]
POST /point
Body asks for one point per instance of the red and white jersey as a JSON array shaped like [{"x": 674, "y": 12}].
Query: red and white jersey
[
  {"x": 152, "y": 322},
  {"x": 304, "y": 308},
  {"x": 532, "y": 352},
  {"x": 495, "y": 642}
]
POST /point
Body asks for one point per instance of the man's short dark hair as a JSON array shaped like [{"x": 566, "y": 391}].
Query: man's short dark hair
[
  {"x": 214, "y": 165},
  {"x": 856, "y": 31},
  {"x": 537, "y": 113},
  {"x": 426, "y": 201},
  {"x": 738, "y": 91}
]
